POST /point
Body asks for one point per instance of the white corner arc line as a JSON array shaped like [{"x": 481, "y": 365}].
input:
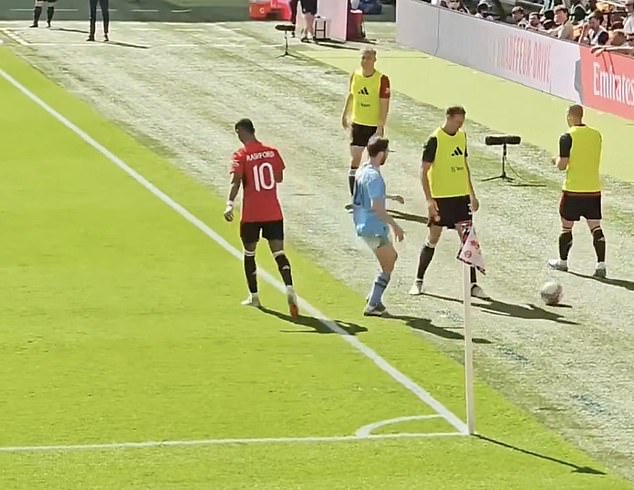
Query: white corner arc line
[
  {"x": 219, "y": 442},
  {"x": 366, "y": 430},
  {"x": 422, "y": 394}
]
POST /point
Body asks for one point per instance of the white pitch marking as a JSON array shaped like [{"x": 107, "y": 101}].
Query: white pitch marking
[
  {"x": 422, "y": 394},
  {"x": 180, "y": 11},
  {"x": 366, "y": 430},
  {"x": 143, "y": 29},
  {"x": 16, "y": 38},
  {"x": 222, "y": 442},
  {"x": 144, "y": 10},
  {"x": 66, "y": 10},
  {"x": 21, "y": 10},
  {"x": 191, "y": 29}
]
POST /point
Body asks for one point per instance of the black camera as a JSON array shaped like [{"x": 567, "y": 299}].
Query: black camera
[{"x": 502, "y": 140}]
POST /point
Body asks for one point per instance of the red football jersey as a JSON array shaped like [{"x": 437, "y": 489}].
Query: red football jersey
[{"x": 261, "y": 169}]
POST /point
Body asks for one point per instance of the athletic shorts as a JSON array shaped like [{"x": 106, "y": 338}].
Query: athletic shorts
[
  {"x": 309, "y": 6},
  {"x": 574, "y": 206},
  {"x": 361, "y": 134},
  {"x": 271, "y": 230},
  {"x": 376, "y": 242},
  {"x": 452, "y": 210}
]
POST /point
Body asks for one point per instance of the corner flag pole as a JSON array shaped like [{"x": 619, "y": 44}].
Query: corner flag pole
[
  {"x": 470, "y": 255},
  {"x": 468, "y": 351}
]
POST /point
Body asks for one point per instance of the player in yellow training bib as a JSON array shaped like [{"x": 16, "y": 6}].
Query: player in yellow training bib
[
  {"x": 365, "y": 110},
  {"x": 449, "y": 192},
  {"x": 580, "y": 157}
]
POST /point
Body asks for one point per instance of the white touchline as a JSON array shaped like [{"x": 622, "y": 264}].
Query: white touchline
[
  {"x": 221, "y": 442},
  {"x": 16, "y": 38},
  {"x": 385, "y": 366}
]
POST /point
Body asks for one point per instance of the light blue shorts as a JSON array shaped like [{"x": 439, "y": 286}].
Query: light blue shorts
[{"x": 376, "y": 242}]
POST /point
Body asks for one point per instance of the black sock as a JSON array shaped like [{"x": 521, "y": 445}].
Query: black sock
[
  {"x": 598, "y": 240},
  {"x": 351, "y": 176},
  {"x": 250, "y": 272},
  {"x": 49, "y": 14},
  {"x": 565, "y": 243},
  {"x": 474, "y": 278},
  {"x": 426, "y": 254},
  {"x": 284, "y": 266},
  {"x": 37, "y": 11}
]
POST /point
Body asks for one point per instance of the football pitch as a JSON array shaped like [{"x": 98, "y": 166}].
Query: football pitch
[{"x": 128, "y": 361}]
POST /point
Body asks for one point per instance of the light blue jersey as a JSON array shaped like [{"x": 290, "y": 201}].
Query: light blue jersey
[{"x": 369, "y": 187}]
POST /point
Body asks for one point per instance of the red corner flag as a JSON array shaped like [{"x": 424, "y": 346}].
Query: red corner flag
[{"x": 470, "y": 252}]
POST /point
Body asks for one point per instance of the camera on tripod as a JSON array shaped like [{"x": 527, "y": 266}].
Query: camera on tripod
[
  {"x": 502, "y": 140},
  {"x": 498, "y": 140}
]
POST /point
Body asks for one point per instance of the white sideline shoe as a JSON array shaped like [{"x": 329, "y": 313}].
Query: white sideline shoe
[
  {"x": 417, "y": 288},
  {"x": 558, "y": 265},
  {"x": 253, "y": 300}
]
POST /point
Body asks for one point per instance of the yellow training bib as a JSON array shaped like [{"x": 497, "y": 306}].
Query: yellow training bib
[
  {"x": 582, "y": 174},
  {"x": 365, "y": 91},
  {"x": 448, "y": 176}
]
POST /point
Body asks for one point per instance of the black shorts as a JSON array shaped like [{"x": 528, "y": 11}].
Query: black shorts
[
  {"x": 309, "y": 6},
  {"x": 452, "y": 210},
  {"x": 271, "y": 230},
  {"x": 574, "y": 206},
  {"x": 361, "y": 134}
]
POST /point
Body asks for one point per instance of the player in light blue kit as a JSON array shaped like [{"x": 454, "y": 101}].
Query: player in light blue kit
[{"x": 372, "y": 221}]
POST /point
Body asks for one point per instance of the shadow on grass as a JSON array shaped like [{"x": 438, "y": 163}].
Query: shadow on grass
[
  {"x": 314, "y": 323},
  {"x": 575, "y": 468},
  {"x": 621, "y": 283},
  {"x": 426, "y": 325},
  {"x": 527, "y": 311},
  {"x": 400, "y": 215}
]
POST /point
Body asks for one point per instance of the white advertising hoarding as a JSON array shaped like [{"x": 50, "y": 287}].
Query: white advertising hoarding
[
  {"x": 532, "y": 59},
  {"x": 336, "y": 11}
]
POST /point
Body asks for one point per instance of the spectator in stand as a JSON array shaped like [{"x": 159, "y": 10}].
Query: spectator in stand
[
  {"x": 593, "y": 32},
  {"x": 458, "y": 6},
  {"x": 564, "y": 30},
  {"x": 482, "y": 10},
  {"x": 578, "y": 12},
  {"x": 628, "y": 26},
  {"x": 517, "y": 15},
  {"x": 627, "y": 49},
  {"x": 548, "y": 25},
  {"x": 547, "y": 15},
  {"x": 534, "y": 22},
  {"x": 618, "y": 38}
]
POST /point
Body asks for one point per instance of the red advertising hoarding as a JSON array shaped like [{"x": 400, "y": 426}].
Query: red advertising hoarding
[{"x": 607, "y": 82}]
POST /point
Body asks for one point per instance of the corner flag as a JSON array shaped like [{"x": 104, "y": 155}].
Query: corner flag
[{"x": 470, "y": 252}]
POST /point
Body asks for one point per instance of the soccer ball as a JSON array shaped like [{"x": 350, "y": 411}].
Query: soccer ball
[{"x": 551, "y": 292}]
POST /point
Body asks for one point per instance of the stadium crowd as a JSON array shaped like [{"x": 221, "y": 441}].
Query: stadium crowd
[{"x": 606, "y": 25}]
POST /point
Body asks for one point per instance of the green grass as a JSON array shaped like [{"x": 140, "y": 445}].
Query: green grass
[
  {"x": 538, "y": 118},
  {"x": 120, "y": 323}
]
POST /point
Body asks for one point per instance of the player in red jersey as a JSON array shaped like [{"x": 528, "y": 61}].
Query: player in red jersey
[{"x": 259, "y": 169}]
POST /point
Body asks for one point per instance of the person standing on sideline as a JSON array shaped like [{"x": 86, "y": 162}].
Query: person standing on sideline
[
  {"x": 365, "y": 110},
  {"x": 293, "y": 6},
  {"x": 105, "y": 16},
  {"x": 37, "y": 11},
  {"x": 373, "y": 223},
  {"x": 309, "y": 10},
  {"x": 580, "y": 157},
  {"x": 449, "y": 192},
  {"x": 259, "y": 169}
]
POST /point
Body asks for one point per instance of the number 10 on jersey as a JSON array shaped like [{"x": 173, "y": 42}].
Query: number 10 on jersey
[{"x": 263, "y": 176}]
